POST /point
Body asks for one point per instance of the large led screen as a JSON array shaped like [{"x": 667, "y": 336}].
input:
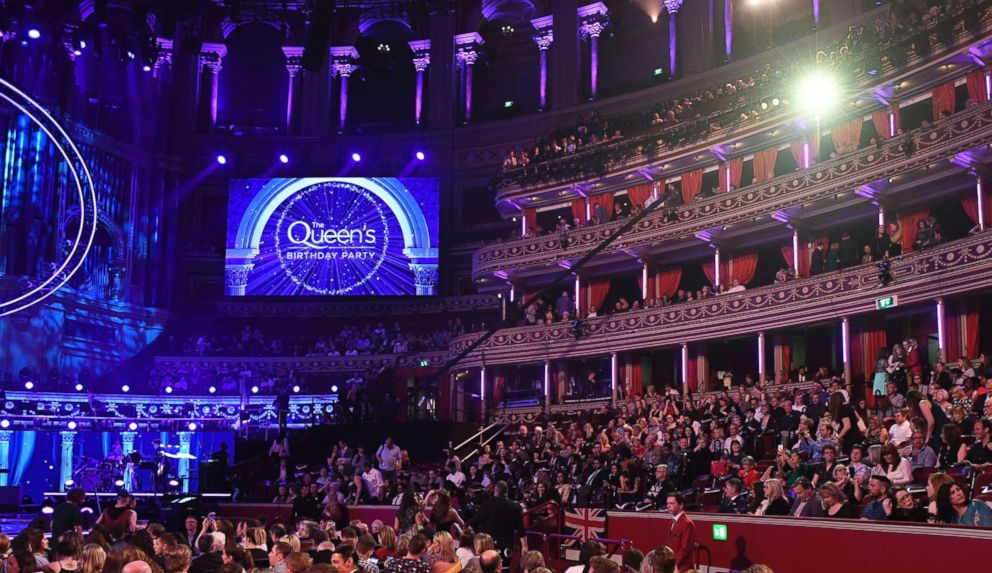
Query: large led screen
[{"x": 332, "y": 236}]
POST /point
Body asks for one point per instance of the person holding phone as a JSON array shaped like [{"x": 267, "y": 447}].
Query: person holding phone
[{"x": 364, "y": 548}]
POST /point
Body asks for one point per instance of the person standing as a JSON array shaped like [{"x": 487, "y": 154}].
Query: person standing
[
  {"x": 67, "y": 515},
  {"x": 503, "y": 520},
  {"x": 682, "y": 535},
  {"x": 389, "y": 457}
]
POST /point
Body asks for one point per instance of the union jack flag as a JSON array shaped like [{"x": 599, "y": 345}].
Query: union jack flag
[{"x": 585, "y": 523}]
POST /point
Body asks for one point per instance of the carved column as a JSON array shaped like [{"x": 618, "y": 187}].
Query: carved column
[
  {"x": 845, "y": 341},
  {"x": 685, "y": 369},
  {"x": 236, "y": 278},
  {"x": 343, "y": 65},
  {"x": 761, "y": 356},
  {"x": 544, "y": 38},
  {"x": 294, "y": 64},
  {"x": 467, "y": 53},
  {"x": 183, "y": 465},
  {"x": 614, "y": 377},
  {"x": 425, "y": 278},
  {"x": 673, "y": 7},
  {"x": 979, "y": 190},
  {"x": 211, "y": 56},
  {"x": 5, "y": 437},
  {"x": 163, "y": 60},
  {"x": 941, "y": 332},
  {"x": 421, "y": 62},
  {"x": 592, "y": 22},
  {"x": 728, "y": 30},
  {"x": 547, "y": 386},
  {"x": 68, "y": 439}
]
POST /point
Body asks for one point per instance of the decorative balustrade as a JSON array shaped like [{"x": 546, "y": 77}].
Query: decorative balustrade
[
  {"x": 942, "y": 140},
  {"x": 957, "y": 267},
  {"x": 300, "y": 364},
  {"x": 420, "y": 306}
]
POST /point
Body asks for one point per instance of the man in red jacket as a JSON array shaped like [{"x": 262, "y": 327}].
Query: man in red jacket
[{"x": 682, "y": 535}]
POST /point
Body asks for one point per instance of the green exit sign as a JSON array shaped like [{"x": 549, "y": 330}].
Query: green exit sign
[
  {"x": 658, "y": 71},
  {"x": 425, "y": 362},
  {"x": 508, "y": 103},
  {"x": 719, "y": 532},
  {"x": 887, "y": 302}
]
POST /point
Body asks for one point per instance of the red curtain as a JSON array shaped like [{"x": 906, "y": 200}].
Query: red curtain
[
  {"x": 881, "y": 120},
  {"x": 976, "y": 86},
  {"x": 668, "y": 281},
  {"x": 735, "y": 167},
  {"x": 804, "y": 254},
  {"x": 796, "y": 145},
  {"x": 970, "y": 204},
  {"x": 764, "y": 163},
  {"x": 636, "y": 387},
  {"x": 606, "y": 200},
  {"x": 579, "y": 210},
  {"x": 786, "y": 355},
  {"x": 530, "y": 220},
  {"x": 870, "y": 340},
  {"x": 711, "y": 276},
  {"x": 639, "y": 194},
  {"x": 814, "y": 150},
  {"x": 970, "y": 320},
  {"x": 943, "y": 99},
  {"x": 691, "y": 371},
  {"x": 908, "y": 223},
  {"x": 652, "y": 284},
  {"x": 598, "y": 289},
  {"x": 744, "y": 266},
  {"x": 847, "y": 134},
  {"x": 952, "y": 332},
  {"x": 692, "y": 182}
]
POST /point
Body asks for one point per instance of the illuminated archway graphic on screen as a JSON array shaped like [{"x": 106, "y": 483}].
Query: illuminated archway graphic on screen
[{"x": 332, "y": 236}]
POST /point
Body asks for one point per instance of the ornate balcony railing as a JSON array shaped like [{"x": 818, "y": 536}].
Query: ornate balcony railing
[
  {"x": 359, "y": 363},
  {"x": 401, "y": 307},
  {"x": 965, "y": 130},
  {"x": 957, "y": 267}
]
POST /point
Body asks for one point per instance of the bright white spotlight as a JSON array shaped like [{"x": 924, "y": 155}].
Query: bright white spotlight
[
  {"x": 356, "y": 157},
  {"x": 283, "y": 158},
  {"x": 296, "y": 389},
  {"x": 47, "y": 510},
  {"x": 420, "y": 156},
  {"x": 254, "y": 389},
  {"x": 334, "y": 388},
  {"x": 71, "y": 425},
  {"x": 818, "y": 92},
  {"x": 132, "y": 426},
  {"x": 213, "y": 389},
  {"x": 29, "y": 385},
  {"x": 222, "y": 160},
  {"x": 119, "y": 483},
  {"x": 34, "y": 33},
  {"x": 4, "y": 423},
  {"x": 168, "y": 389},
  {"x": 173, "y": 483},
  {"x": 69, "y": 482},
  {"x": 192, "y": 426},
  {"x": 125, "y": 388},
  {"x": 79, "y": 387}
]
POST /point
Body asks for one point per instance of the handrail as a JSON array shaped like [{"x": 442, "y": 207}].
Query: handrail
[
  {"x": 474, "y": 436},
  {"x": 553, "y": 506}
]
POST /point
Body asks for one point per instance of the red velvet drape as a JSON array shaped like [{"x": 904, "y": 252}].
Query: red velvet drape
[
  {"x": 908, "y": 223},
  {"x": 952, "y": 331},
  {"x": 744, "y": 267},
  {"x": 530, "y": 219},
  {"x": 803, "y": 270},
  {"x": 668, "y": 281},
  {"x": 764, "y": 163},
  {"x": 636, "y": 386},
  {"x": 847, "y": 134},
  {"x": 692, "y": 182},
  {"x": 734, "y": 168},
  {"x": 786, "y": 355},
  {"x": 976, "y": 86},
  {"x": 598, "y": 289},
  {"x": 652, "y": 284},
  {"x": 711, "y": 275},
  {"x": 604, "y": 199},
  {"x": 881, "y": 120},
  {"x": 969, "y": 201},
  {"x": 943, "y": 99},
  {"x": 579, "y": 210},
  {"x": 871, "y": 339},
  {"x": 970, "y": 327},
  {"x": 638, "y": 194}
]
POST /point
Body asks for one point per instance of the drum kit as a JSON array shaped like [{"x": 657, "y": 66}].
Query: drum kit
[{"x": 118, "y": 471}]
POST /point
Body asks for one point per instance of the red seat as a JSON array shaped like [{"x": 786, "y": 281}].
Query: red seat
[
  {"x": 982, "y": 480},
  {"x": 921, "y": 475},
  {"x": 961, "y": 474}
]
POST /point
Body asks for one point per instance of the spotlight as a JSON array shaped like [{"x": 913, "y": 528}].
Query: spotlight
[
  {"x": 125, "y": 388},
  {"x": 334, "y": 388},
  {"x": 132, "y": 426},
  {"x": 79, "y": 387},
  {"x": 5, "y": 423},
  {"x": 420, "y": 156},
  {"x": 254, "y": 389},
  {"x": 192, "y": 426},
  {"x": 77, "y": 52},
  {"x": 283, "y": 158},
  {"x": 819, "y": 92},
  {"x": 82, "y": 44},
  {"x": 71, "y": 425},
  {"x": 168, "y": 389},
  {"x": 296, "y": 389},
  {"x": 47, "y": 510},
  {"x": 213, "y": 389},
  {"x": 146, "y": 68},
  {"x": 34, "y": 33},
  {"x": 222, "y": 160},
  {"x": 29, "y": 385},
  {"x": 173, "y": 483},
  {"x": 69, "y": 482},
  {"x": 119, "y": 483},
  {"x": 356, "y": 157}
]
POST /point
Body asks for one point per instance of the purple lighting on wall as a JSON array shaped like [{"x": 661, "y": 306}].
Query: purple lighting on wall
[
  {"x": 728, "y": 29},
  {"x": 673, "y": 44},
  {"x": 816, "y": 13}
]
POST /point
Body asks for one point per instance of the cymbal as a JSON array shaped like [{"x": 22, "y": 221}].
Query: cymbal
[{"x": 179, "y": 456}]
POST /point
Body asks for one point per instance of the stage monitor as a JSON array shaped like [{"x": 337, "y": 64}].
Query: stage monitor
[{"x": 332, "y": 236}]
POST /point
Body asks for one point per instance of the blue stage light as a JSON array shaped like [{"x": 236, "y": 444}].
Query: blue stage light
[
  {"x": 296, "y": 389},
  {"x": 125, "y": 388},
  {"x": 132, "y": 426},
  {"x": 283, "y": 158},
  {"x": 71, "y": 425},
  {"x": 34, "y": 33},
  {"x": 168, "y": 389},
  {"x": 82, "y": 44},
  {"x": 79, "y": 387},
  {"x": 420, "y": 156},
  {"x": 119, "y": 483},
  {"x": 29, "y": 385},
  {"x": 356, "y": 157},
  {"x": 222, "y": 160},
  {"x": 47, "y": 510},
  {"x": 192, "y": 426}
]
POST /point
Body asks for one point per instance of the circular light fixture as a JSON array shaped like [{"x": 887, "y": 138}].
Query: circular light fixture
[
  {"x": 132, "y": 426},
  {"x": 29, "y": 385},
  {"x": 222, "y": 160},
  {"x": 79, "y": 387},
  {"x": 125, "y": 388},
  {"x": 334, "y": 388},
  {"x": 296, "y": 389},
  {"x": 283, "y": 158},
  {"x": 71, "y": 425},
  {"x": 168, "y": 389},
  {"x": 34, "y": 33},
  {"x": 5, "y": 423},
  {"x": 420, "y": 156},
  {"x": 192, "y": 426},
  {"x": 254, "y": 389},
  {"x": 356, "y": 157},
  {"x": 213, "y": 389}
]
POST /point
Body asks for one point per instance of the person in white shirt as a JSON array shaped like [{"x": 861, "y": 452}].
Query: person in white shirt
[
  {"x": 735, "y": 286},
  {"x": 454, "y": 475},
  {"x": 373, "y": 481},
  {"x": 902, "y": 431}
]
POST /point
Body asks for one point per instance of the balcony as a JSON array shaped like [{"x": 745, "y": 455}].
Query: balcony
[
  {"x": 654, "y": 238},
  {"x": 958, "y": 267}
]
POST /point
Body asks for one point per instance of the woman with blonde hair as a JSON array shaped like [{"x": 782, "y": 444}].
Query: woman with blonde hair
[
  {"x": 934, "y": 483},
  {"x": 442, "y": 551},
  {"x": 483, "y": 542},
  {"x": 778, "y": 504},
  {"x": 293, "y": 540},
  {"x": 92, "y": 558},
  {"x": 834, "y": 502},
  {"x": 387, "y": 538}
]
